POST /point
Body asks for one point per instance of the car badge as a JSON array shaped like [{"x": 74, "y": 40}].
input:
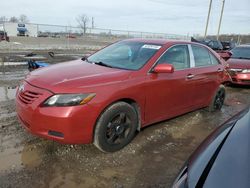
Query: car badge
[{"x": 21, "y": 88}]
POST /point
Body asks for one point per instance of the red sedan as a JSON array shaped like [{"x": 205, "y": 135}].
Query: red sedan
[
  {"x": 239, "y": 65},
  {"x": 105, "y": 98}
]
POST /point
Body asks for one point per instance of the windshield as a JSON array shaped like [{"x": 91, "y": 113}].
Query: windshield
[
  {"x": 241, "y": 53},
  {"x": 125, "y": 55}
]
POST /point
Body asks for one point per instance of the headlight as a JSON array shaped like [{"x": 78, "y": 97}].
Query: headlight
[
  {"x": 246, "y": 71},
  {"x": 69, "y": 99},
  {"x": 236, "y": 70}
]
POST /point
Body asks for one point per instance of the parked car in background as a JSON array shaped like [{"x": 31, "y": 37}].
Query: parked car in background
[
  {"x": 222, "y": 48},
  {"x": 4, "y": 36},
  {"x": 239, "y": 65},
  {"x": 22, "y": 30},
  {"x": 105, "y": 98},
  {"x": 222, "y": 160},
  {"x": 228, "y": 45},
  {"x": 214, "y": 44},
  {"x": 71, "y": 36}
]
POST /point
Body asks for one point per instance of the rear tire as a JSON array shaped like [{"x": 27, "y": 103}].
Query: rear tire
[
  {"x": 218, "y": 99},
  {"x": 115, "y": 127}
]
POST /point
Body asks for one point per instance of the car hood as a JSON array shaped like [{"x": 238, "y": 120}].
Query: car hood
[
  {"x": 75, "y": 75},
  {"x": 226, "y": 139},
  {"x": 239, "y": 63}
]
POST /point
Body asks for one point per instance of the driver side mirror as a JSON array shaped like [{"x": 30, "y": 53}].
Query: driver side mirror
[{"x": 164, "y": 68}]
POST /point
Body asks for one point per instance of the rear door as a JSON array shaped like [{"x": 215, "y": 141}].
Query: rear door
[{"x": 207, "y": 75}]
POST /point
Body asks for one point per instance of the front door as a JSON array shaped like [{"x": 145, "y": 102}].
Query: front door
[{"x": 168, "y": 94}]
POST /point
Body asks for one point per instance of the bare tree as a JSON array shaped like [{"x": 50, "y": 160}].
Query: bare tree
[
  {"x": 13, "y": 19},
  {"x": 3, "y": 19},
  {"x": 83, "y": 20},
  {"x": 23, "y": 18}
]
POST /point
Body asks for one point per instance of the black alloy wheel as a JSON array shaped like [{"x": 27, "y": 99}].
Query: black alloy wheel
[{"x": 115, "y": 127}]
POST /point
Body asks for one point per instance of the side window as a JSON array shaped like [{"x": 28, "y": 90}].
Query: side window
[
  {"x": 201, "y": 56},
  {"x": 214, "y": 60},
  {"x": 178, "y": 56}
]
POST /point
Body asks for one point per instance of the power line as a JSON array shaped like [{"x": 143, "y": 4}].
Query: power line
[{"x": 221, "y": 15}]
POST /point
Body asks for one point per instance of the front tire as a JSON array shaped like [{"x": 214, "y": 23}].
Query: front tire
[
  {"x": 218, "y": 99},
  {"x": 115, "y": 127}
]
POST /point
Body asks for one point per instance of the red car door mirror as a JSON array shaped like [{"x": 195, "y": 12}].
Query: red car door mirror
[{"x": 164, "y": 68}]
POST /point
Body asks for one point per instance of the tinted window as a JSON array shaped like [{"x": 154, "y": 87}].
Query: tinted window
[
  {"x": 178, "y": 56},
  {"x": 201, "y": 56}
]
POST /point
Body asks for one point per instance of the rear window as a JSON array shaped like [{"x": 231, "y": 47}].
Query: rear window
[
  {"x": 214, "y": 60},
  {"x": 201, "y": 56}
]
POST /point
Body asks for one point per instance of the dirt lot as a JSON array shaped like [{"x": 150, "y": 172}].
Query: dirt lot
[
  {"x": 47, "y": 43},
  {"x": 152, "y": 159}
]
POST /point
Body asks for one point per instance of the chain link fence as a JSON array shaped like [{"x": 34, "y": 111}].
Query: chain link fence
[
  {"x": 44, "y": 36},
  {"x": 58, "y": 30}
]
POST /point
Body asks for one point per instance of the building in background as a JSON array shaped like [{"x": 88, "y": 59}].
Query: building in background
[{"x": 19, "y": 29}]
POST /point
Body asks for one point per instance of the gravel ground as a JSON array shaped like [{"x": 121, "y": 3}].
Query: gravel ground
[{"x": 153, "y": 159}]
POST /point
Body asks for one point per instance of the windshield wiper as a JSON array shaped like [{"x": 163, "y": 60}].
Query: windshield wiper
[
  {"x": 97, "y": 63},
  {"x": 102, "y": 64}
]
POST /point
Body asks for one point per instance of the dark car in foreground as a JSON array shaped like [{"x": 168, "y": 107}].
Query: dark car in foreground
[
  {"x": 239, "y": 65},
  {"x": 223, "y": 159},
  {"x": 105, "y": 98}
]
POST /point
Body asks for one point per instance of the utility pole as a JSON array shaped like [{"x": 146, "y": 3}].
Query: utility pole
[
  {"x": 93, "y": 24},
  {"x": 208, "y": 17},
  {"x": 221, "y": 15},
  {"x": 4, "y": 31}
]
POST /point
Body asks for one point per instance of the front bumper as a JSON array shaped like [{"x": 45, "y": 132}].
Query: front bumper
[{"x": 69, "y": 125}]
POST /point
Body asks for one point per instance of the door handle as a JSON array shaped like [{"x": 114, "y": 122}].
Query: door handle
[
  {"x": 220, "y": 70},
  {"x": 190, "y": 76}
]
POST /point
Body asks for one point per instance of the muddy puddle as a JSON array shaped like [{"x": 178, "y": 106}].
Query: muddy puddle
[{"x": 19, "y": 155}]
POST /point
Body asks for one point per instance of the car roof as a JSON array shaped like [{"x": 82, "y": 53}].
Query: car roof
[
  {"x": 158, "y": 41},
  {"x": 243, "y": 46}
]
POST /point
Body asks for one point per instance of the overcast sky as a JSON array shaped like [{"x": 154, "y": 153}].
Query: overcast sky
[{"x": 164, "y": 16}]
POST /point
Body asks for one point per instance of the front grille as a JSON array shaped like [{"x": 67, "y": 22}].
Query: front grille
[{"x": 28, "y": 97}]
